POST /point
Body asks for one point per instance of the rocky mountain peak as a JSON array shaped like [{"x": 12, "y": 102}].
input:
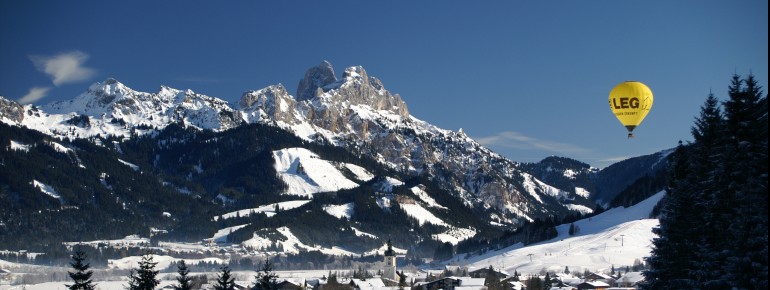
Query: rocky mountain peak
[
  {"x": 315, "y": 78},
  {"x": 11, "y": 110}
]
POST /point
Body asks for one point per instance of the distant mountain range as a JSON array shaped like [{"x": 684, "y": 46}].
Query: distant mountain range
[{"x": 355, "y": 167}]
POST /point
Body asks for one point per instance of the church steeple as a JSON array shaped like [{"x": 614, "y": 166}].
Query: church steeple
[
  {"x": 389, "y": 251},
  {"x": 390, "y": 263}
]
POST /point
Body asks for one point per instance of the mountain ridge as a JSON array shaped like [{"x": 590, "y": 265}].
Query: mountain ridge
[
  {"x": 190, "y": 143},
  {"x": 354, "y": 112}
]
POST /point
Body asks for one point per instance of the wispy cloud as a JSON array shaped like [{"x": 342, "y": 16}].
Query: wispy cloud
[
  {"x": 611, "y": 160},
  {"x": 34, "y": 94},
  {"x": 64, "y": 68},
  {"x": 515, "y": 140}
]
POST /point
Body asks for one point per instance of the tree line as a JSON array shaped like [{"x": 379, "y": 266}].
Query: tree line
[{"x": 713, "y": 231}]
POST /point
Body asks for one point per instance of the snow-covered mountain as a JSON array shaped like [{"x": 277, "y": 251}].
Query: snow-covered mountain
[{"x": 355, "y": 112}]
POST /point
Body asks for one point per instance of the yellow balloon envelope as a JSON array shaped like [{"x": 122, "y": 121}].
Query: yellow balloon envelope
[{"x": 630, "y": 101}]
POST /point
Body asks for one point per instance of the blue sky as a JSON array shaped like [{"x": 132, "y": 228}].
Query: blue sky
[{"x": 528, "y": 79}]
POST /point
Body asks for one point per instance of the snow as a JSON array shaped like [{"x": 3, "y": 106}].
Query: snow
[
  {"x": 101, "y": 285},
  {"x": 361, "y": 173},
  {"x": 60, "y": 148},
  {"x": 579, "y": 208},
  {"x": 582, "y": 192},
  {"x": 381, "y": 250},
  {"x": 306, "y": 173},
  {"x": 47, "y": 189},
  {"x": 617, "y": 237},
  {"x": 132, "y": 240},
  {"x": 129, "y": 164},
  {"x": 455, "y": 235},
  {"x": 417, "y": 190},
  {"x": 360, "y": 233},
  {"x": 268, "y": 210},
  {"x": 221, "y": 235},
  {"x": 163, "y": 261},
  {"x": 531, "y": 184},
  {"x": 422, "y": 215},
  {"x": 340, "y": 211},
  {"x": 16, "y": 146},
  {"x": 292, "y": 245},
  {"x": 388, "y": 184}
]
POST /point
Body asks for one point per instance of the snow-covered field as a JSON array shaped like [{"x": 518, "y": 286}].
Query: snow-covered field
[{"x": 617, "y": 237}]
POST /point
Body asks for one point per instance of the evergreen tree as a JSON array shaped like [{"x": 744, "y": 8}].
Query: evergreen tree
[
  {"x": 144, "y": 278},
  {"x": 183, "y": 279},
  {"x": 671, "y": 256},
  {"x": 82, "y": 274},
  {"x": 266, "y": 277},
  {"x": 492, "y": 281},
  {"x": 401, "y": 280},
  {"x": 746, "y": 163},
  {"x": 713, "y": 223},
  {"x": 225, "y": 281}
]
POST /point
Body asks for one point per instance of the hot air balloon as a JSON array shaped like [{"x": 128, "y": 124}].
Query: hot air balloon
[{"x": 630, "y": 101}]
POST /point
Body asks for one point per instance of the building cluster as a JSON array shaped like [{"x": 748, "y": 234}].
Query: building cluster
[{"x": 481, "y": 279}]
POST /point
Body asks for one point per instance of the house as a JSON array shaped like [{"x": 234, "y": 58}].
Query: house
[
  {"x": 567, "y": 279},
  {"x": 599, "y": 277},
  {"x": 368, "y": 284},
  {"x": 515, "y": 285},
  {"x": 290, "y": 284},
  {"x": 630, "y": 279},
  {"x": 454, "y": 283},
  {"x": 468, "y": 283},
  {"x": 598, "y": 285},
  {"x": 561, "y": 285},
  {"x": 484, "y": 272}
]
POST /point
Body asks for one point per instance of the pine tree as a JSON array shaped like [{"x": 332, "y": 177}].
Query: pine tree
[
  {"x": 82, "y": 274},
  {"x": 492, "y": 281},
  {"x": 225, "y": 281},
  {"x": 183, "y": 279},
  {"x": 671, "y": 257},
  {"x": 144, "y": 277},
  {"x": 547, "y": 281},
  {"x": 713, "y": 225},
  {"x": 266, "y": 277},
  {"x": 746, "y": 163}
]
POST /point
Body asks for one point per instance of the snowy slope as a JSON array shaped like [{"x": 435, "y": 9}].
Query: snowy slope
[
  {"x": 268, "y": 210},
  {"x": 617, "y": 237},
  {"x": 306, "y": 173}
]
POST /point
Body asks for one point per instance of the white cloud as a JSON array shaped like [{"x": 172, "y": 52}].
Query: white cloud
[
  {"x": 64, "y": 68},
  {"x": 611, "y": 160},
  {"x": 510, "y": 139},
  {"x": 34, "y": 94}
]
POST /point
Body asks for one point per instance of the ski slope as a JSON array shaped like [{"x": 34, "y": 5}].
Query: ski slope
[{"x": 618, "y": 237}]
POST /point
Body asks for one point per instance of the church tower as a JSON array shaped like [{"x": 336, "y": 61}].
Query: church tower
[{"x": 390, "y": 263}]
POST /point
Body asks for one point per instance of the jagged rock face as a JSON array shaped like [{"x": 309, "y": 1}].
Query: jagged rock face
[
  {"x": 269, "y": 104},
  {"x": 113, "y": 100},
  {"x": 11, "y": 110},
  {"x": 315, "y": 79},
  {"x": 355, "y": 112},
  {"x": 204, "y": 112}
]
